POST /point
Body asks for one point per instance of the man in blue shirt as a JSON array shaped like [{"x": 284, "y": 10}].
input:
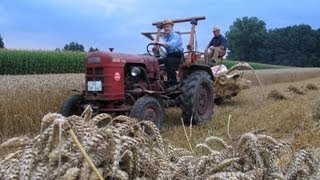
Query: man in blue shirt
[
  {"x": 217, "y": 46},
  {"x": 173, "y": 45}
]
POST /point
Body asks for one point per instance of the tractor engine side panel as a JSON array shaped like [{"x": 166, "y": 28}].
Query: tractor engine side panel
[{"x": 114, "y": 78}]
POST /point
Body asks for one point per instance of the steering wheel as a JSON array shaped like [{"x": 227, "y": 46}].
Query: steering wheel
[{"x": 159, "y": 52}]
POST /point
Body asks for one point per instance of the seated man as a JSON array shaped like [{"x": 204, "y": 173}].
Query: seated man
[
  {"x": 216, "y": 47},
  {"x": 173, "y": 45}
]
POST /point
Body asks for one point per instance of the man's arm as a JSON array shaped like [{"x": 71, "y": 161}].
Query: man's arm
[
  {"x": 224, "y": 43},
  {"x": 159, "y": 43},
  {"x": 210, "y": 44},
  {"x": 174, "y": 42}
]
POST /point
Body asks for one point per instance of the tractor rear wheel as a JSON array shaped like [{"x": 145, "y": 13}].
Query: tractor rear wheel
[
  {"x": 71, "y": 106},
  {"x": 148, "y": 108},
  {"x": 197, "y": 98}
]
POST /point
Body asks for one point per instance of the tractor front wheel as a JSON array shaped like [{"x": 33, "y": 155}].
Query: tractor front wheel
[
  {"x": 148, "y": 108},
  {"x": 71, "y": 106},
  {"x": 197, "y": 98}
]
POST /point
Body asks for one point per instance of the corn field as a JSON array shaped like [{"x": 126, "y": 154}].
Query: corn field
[
  {"x": 79, "y": 148},
  {"x": 40, "y": 62}
]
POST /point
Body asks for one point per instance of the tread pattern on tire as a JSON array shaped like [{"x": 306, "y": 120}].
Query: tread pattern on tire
[
  {"x": 139, "y": 105},
  {"x": 68, "y": 103},
  {"x": 188, "y": 96}
]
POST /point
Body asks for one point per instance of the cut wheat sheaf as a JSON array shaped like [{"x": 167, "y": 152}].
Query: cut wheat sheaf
[{"x": 129, "y": 149}]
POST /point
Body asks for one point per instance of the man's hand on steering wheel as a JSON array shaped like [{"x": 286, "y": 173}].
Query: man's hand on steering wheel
[
  {"x": 158, "y": 49},
  {"x": 155, "y": 48},
  {"x": 158, "y": 43}
]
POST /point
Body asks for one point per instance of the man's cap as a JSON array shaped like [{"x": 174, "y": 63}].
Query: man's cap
[
  {"x": 216, "y": 28},
  {"x": 167, "y": 21}
]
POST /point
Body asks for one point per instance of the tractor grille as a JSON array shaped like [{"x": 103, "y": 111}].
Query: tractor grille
[
  {"x": 98, "y": 71},
  {"x": 95, "y": 74},
  {"x": 89, "y": 71}
]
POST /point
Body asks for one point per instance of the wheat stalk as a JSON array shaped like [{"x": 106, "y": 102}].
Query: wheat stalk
[
  {"x": 124, "y": 150},
  {"x": 87, "y": 158},
  {"x": 186, "y": 135}
]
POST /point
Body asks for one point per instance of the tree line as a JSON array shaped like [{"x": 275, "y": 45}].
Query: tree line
[
  {"x": 297, "y": 45},
  {"x": 74, "y": 46}
]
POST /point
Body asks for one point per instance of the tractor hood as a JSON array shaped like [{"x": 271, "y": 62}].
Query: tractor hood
[{"x": 100, "y": 57}]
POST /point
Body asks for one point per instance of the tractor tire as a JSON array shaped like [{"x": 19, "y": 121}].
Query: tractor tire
[
  {"x": 148, "y": 108},
  {"x": 197, "y": 98},
  {"x": 71, "y": 106}
]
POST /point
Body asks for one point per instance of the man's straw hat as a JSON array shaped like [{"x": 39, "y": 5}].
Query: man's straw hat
[
  {"x": 167, "y": 21},
  {"x": 216, "y": 28}
]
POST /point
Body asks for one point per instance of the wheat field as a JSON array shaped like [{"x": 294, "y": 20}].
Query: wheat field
[
  {"x": 25, "y": 99},
  {"x": 293, "y": 119}
]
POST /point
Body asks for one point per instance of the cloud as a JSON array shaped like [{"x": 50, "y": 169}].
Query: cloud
[
  {"x": 30, "y": 40},
  {"x": 117, "y": 6},
  {"x": 94, "y": 8}
]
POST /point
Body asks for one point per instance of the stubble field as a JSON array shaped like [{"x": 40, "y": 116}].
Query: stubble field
[
  {"x": 242, "y": 129},
  {"x": 25, "y": 99}
]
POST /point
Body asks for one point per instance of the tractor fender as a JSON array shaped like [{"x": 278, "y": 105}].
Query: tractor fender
[
  {"x": 156, "y": 94},
  {"x": 185, "y": 70}
]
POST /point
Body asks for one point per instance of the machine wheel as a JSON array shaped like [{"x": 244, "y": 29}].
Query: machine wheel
[
  {"x": 197, "y": 98},
  {"x": 71, "y": 106},
  {"x": 148, "y": 108}
]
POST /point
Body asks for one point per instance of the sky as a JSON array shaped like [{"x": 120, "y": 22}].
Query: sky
[{"x": 50, "y": 24}]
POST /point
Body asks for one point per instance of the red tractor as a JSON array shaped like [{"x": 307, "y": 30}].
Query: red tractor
[{"x": 135, "y": 85}]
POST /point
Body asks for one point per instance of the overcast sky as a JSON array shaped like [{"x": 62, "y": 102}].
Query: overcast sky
[{"x": 50, "y": 24}]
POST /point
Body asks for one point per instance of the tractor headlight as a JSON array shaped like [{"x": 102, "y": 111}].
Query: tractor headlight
[{"x": 135, "y": 71}]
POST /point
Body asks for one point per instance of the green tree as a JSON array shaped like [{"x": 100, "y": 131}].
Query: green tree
[
  {"x": 296, "y": 45},
  {"x": 73, "y": 46},
  {"x": 245, "y": 38},
  {"x": 91, "y": 49},
  {"x": 1, "y": 42}
]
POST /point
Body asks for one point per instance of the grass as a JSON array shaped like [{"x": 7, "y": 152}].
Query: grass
[
  {"x": 256, "y": 66},
  {"x": 25, "y": 99}
]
